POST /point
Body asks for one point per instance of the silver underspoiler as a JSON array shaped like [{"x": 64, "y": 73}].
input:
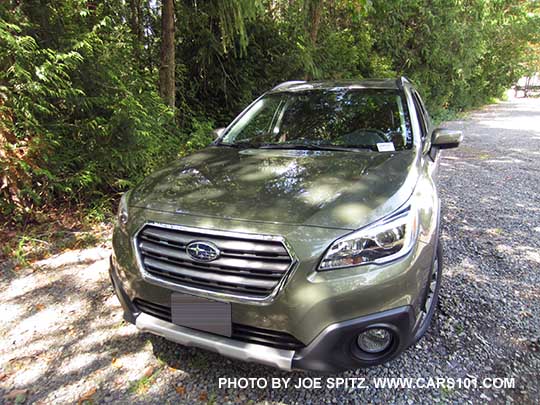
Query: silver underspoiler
[{"x": 227, "y": 347}]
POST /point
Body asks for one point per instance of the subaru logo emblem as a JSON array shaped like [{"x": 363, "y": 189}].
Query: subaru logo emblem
[{"x": 203, "y": 251}]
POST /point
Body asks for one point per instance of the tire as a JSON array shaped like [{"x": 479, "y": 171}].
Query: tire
[{"x": 431, "y": 295}]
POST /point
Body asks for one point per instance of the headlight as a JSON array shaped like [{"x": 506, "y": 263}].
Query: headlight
[
  {"x": 385, "y": 240},
  {"x": 122, "y": 216}
]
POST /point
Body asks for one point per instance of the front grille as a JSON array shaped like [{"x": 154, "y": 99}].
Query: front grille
[
  {"x": 245, "y": 333},
  {"x": 247, "y": 266}
]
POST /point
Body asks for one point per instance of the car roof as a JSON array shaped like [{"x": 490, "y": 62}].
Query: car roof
[{"x": 299, "y": 85}]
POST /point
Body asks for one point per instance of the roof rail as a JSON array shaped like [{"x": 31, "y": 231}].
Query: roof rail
[
  {"x": 287, "y": 84},
  {"x": 401, "y": 81}
]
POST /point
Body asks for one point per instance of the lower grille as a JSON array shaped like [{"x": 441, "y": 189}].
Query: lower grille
[
  {"x": 244, "y": 333},
  {"x": 246, "y": 266}
]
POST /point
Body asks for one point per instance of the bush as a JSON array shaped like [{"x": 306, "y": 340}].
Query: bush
[{"x": 78, "y": 122}]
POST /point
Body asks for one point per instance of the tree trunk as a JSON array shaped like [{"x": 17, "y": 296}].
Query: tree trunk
[
  {"x": 135, "y": 9},
  {"x": 167, "y": 87},
  {"x": 315, "y": 20},
  {"x": 313, "y": 10}
]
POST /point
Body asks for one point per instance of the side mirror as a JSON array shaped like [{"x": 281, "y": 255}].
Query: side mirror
[
  {"x": 446, "y": 138},
  {"x": 218, "y": 132}
]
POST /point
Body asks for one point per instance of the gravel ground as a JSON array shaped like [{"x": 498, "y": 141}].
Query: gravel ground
[{"x": 62, "y": 338}]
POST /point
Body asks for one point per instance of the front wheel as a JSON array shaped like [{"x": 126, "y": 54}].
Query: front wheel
[{"x": 431, "y": 296}]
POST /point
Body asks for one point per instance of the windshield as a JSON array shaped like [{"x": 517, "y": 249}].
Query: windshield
[{"x": 325, "y": 118}]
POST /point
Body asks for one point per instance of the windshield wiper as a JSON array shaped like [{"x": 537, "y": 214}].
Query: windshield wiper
[
  {"x": 312, "y": 146},
  {"x": 297, "y": 146},
  {"x": 240, "y": 144}
]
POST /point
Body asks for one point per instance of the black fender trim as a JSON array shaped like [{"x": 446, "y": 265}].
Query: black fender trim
[{"x": 130, "y": 311}]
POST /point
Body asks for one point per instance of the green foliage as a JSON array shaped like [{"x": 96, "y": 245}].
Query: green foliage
[
  {"x": 202, "y": 133},
  {"x": 88, "y": 123},
  {"x": 81, "y": 119},
  {"x": 461, "y": 54}
]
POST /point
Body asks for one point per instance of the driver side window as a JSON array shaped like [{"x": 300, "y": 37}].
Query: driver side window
[{"x": 257, "y": 122}]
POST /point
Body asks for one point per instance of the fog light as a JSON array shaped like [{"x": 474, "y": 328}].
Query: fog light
[{"x": 374, "y": 340}]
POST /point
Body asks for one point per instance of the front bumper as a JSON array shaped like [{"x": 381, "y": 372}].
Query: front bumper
[
  {"x": 309, "y": 301},
  {"x": 331, "y": 351}
]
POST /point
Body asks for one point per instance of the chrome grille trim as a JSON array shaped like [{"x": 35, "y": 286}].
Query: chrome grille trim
[{"x": 248, "y": 270}]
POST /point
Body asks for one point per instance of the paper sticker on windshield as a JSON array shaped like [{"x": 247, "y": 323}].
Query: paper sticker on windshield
[{"x": 385, "y": 147}]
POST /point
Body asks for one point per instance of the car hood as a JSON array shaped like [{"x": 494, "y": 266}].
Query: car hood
[{"x": 319, "y": 188}]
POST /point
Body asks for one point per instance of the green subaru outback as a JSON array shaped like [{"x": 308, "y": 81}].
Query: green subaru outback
[{"x": 305, "y": 237}]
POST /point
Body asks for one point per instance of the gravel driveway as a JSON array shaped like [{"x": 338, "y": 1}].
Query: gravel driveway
[{"x": 62, "y": 338}]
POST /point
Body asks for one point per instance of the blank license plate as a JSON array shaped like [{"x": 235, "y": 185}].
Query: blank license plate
[{"x": 201, "y": 314}]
